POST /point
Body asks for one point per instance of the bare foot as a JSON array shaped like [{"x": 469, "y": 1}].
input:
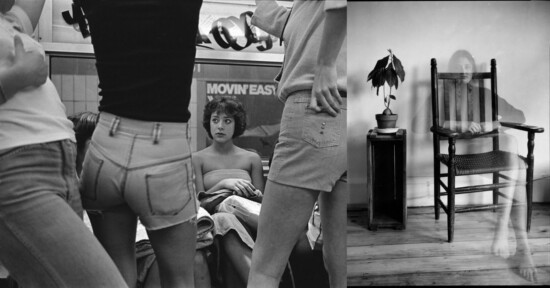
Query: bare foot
[
  {"x": 500, "y": 245},
  {"x": 526, "y": 266}
]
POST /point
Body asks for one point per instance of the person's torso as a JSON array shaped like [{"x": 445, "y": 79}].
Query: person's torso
[
  {"x": 212, "y": 177},
  {"x": 145, "y": 52},
  {"x": 35, "y": 114},
  {"x": 302, "y": 38}
]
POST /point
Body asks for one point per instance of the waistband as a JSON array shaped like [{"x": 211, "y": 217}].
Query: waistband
[
  {"x": 139, "y": 127},
  {"x": 305, "y": 95},
  {"x": 343, "y": 94}
]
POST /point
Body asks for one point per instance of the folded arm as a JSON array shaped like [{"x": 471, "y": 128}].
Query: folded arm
[
  {"x": 240, "y": 186},
  {"x": 472, "y": 126},
  {"x": 24, "y": 68}
]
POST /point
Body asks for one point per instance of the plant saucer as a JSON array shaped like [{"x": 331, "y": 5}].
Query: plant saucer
[{"x": 386, "y": 130}]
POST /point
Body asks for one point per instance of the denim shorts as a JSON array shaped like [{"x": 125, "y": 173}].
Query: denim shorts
[
  {"x": 311, "y": 152},
  {"x": 145, "y": 165}
]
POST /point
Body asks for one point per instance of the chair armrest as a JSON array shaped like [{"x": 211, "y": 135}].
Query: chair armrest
[
  {"x": 444, "y": 132},
  {"x": 470, "y": 135},
  {"x": 523, "y": 127}
]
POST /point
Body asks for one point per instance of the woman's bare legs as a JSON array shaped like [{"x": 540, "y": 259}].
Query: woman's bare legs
[
  {"x": 116, "y": 231},
  {"x": 333, "y": 208},
  {"x": 284, "y": 215},
  {"x": 239, "y": 254},
  {"x": 175, "y": 250},
  {"x": 202, "y": 273},
  {"x": 246, "y": 210},
  {"x": 518, "y": 216},
  {"x": 522, "y": 257}
]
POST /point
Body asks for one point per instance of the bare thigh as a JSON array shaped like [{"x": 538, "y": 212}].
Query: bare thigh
[
  {"x": 174, "y": 247},
  {"x": 116, "y": 231},
  {"x": 284, "y": 215}
]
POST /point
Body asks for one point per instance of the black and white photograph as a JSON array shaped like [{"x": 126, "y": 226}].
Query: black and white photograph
[
  {"x": 434, "y": 69},
  {"x": 209, "y": 144}
]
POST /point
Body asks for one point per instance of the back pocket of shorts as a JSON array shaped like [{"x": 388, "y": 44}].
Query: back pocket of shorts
[
  {"x": 167, "y": 188},
  {"x": 320, "y": 129},
  {"x": 91, "y": 171}
]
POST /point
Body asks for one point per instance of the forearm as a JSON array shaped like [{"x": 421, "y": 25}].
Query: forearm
[
  {"x": 334, "y": 34},
  {"x": 10, "y": 83},
  {"x": 26, "y": 68},
  {"x": 270, "y": 17},
  {"x": 219, "y": 186}
]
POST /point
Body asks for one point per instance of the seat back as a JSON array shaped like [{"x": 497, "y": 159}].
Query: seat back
[{"x": 456, "y": 103}]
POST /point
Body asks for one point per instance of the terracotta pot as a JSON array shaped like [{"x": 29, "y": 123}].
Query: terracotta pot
[{"x": 386, "y": 121}]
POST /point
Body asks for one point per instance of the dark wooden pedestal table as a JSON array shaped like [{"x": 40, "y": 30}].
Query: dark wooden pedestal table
[{"x": 386, "y": 180}]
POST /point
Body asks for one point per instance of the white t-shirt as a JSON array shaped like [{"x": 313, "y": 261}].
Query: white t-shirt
[{"x": 35, "y": 114}]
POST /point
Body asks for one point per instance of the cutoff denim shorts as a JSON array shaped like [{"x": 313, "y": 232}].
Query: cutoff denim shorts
[
  {"x": 311, "y": 152},
  {"x": 145, "y": 165}
]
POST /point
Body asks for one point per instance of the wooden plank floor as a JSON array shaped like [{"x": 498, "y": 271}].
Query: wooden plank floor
[{"x": 421, "y": 255}]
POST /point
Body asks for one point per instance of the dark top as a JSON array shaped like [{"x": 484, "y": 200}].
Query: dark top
[{"x": 145, "y": 53}]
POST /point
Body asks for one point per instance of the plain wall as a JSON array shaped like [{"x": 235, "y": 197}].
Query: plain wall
[{"x": 516, "y": 34}]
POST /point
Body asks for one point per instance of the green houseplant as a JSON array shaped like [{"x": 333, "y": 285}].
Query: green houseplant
[{"x": 387, "y": 72}]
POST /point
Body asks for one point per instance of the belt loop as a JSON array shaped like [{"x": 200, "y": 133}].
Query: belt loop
[
  {"x": 156, "y": 133},
  {"x": 114, "y": 126}
]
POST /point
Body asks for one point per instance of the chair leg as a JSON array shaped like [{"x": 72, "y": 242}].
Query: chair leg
[
  {"x": 451, "y": 192},
  {"x": 437, "y": 193},
  {"x": 451, "y": 215},
  {"x": 451, "y": 207},
  {"x": 529, "y": 190},
  {"x": 495, "y": 191}
]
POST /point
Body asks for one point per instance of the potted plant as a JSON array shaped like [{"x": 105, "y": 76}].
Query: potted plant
[{"x": 388, "y": 70}]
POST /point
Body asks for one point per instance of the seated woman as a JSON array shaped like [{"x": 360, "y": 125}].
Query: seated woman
[
  {"x": 229, "y": 180},
  {"x": 463, "y": 62}
]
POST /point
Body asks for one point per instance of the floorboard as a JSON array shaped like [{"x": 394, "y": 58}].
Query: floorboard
[{"x": 421, "y": 255}]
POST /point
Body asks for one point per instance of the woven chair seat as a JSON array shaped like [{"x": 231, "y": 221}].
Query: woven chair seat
[{"x": 489, "y": 162}]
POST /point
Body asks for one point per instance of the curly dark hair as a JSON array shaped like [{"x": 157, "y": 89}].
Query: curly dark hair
[
  {"x": 232, "y": 107},
  {"x": 84, "y": 126}
]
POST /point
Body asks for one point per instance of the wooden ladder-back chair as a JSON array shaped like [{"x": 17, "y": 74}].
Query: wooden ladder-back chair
[{"x": 495, "y": 161}]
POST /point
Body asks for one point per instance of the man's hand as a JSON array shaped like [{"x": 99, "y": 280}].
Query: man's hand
[
  {"x": 325, "y": 95},
  {"x": 30, "y": 67}
]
